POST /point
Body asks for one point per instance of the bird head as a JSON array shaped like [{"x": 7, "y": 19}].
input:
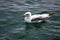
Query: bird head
[{"x": 27, "y": 14}]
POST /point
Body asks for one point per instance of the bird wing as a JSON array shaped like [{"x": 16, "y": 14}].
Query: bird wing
[
  {"x": 39, "y": 17},
  {"x": 45, "y": 16},
  {"x": 35, "y": 16},
  {"x": 36, "y": 19}
]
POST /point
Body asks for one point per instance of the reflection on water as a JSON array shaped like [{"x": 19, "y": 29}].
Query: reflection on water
[
  {"x": 35, "y": 25},
  {"x": 34, "y": 30},
  {"x": 37, "y": 31}
]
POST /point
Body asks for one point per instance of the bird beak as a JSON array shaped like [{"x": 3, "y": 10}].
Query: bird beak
[{"x": 23, "y": 15}]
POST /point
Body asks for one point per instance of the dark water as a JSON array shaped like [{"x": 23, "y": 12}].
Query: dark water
[{"x": 12, "y": 26}]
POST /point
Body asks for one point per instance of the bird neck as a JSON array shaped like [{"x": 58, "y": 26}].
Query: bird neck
[{"x": 28, "y": 19}]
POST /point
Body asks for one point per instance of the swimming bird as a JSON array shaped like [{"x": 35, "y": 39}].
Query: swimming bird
[{"x": 29, "y": 18}]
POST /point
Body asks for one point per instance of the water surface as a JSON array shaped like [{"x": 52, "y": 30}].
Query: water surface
[{"x": 13, "y": 27}]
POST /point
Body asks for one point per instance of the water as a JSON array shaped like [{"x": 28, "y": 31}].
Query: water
[{"x": 13, "y": 27}]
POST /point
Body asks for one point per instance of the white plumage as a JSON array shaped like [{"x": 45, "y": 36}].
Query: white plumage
[{"x": 29, "y": 18}]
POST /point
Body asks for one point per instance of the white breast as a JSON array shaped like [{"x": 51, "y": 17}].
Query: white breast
[{"x": 27, "y": 19}]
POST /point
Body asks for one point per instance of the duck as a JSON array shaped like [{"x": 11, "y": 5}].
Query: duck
[{"x": 29, "y": 18}]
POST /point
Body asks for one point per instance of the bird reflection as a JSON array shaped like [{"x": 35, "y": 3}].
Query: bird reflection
[{"x": 35, "y": 25}]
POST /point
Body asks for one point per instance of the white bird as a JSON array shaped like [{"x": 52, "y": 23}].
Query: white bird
[{"x": 29, "y": 18}]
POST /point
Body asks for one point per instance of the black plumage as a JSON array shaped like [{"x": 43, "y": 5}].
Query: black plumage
[{"x": 37, "y": 19}]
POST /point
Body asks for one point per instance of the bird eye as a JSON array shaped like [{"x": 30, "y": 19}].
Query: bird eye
[{"x": 27, "y": 14}]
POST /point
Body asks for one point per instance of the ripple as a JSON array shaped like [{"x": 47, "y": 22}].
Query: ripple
[{"x": 12, "y": 27}]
